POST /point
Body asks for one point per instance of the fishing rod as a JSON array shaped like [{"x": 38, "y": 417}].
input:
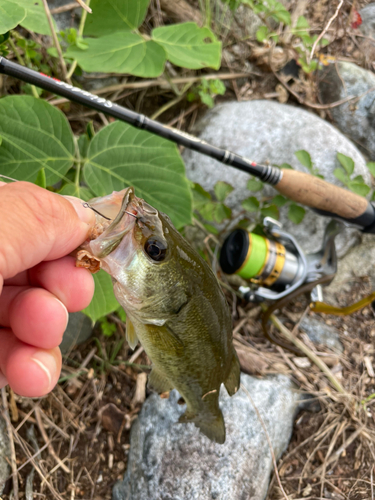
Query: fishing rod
[{"x": 321, "y": 196}]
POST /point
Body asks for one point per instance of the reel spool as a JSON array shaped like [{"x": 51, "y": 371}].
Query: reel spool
[{"x": 260, "y": 260}]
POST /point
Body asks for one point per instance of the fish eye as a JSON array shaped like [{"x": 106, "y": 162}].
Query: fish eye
[{"x": 155, "y": 249}]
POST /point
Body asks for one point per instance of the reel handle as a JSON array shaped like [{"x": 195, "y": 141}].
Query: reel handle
[{"x": 327, "y": 198}]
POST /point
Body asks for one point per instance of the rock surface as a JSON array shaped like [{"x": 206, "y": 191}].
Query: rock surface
[
  {"x": 172, "y": 461},
  {"x": 4, "y": 452},
  {"x": 368, "y": 20},
  {"x": 266, "y": 131},
  {"x": 355, "y": 118},
  {"x": 321, "y": 333},
  {"x": 357, "y": 263},
  {"x": 79, "y": 329}
]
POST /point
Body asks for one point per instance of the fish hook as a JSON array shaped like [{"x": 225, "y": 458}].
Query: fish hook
[{"x": 86, "y": 205}]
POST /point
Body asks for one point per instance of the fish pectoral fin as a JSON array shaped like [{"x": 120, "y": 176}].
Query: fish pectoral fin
[
  {"x": 159, "y": 382},
  {"x": 232, "y": 382},
  {"x": 131, "y": 336},
  {"x": 209, "y": 420}
]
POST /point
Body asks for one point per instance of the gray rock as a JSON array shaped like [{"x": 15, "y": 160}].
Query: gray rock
[
  {"x": 4, "y": 454},
  {"x": 172, "y": 461},
  {"x": 359, "y": 262},
  {"x": 65, "y": 20},
  {"x": 354, "y": 118},
  {"x": 79, "y": 329},
  {"x": 266, "y": 131},
  {"x": 321, "y": 333},
  {"x": 368, "y": 20}
]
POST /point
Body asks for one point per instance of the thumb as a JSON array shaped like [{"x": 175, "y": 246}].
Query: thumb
[{"x": 37, "y": 225}]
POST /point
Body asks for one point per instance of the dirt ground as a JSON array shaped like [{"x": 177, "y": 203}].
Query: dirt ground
[{"x": 74, "y": 442}]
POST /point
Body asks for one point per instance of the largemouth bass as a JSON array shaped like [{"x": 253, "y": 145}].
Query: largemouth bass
[{"x": 173, "y": 302}]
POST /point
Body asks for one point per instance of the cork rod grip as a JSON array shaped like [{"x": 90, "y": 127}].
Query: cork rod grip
[{"x": 316, "y": 193}]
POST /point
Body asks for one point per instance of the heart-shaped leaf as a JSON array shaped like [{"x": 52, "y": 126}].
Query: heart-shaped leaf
[
  {"x": 34, "y": 135},
  {"x": 109, "y": 16},
  {"x": 10, "y": 15},
  {"x": 35, "y": 19},
  {"x": 189, "y": 46},
  {"x": 78, "y": 191},
  {"x": 121, "y": 53},
  {"x": 120, "y": 156},
  {"x": 104, "y": 301},
  {"x": 346, "y": 162},
  {"x": 222, "y": 190}
]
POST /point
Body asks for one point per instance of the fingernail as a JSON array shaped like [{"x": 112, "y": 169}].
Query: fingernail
[
  {"x": 66, "y": 311},
  {"x": 85, "y": 214},
  {"x": 47, "y": 363}
]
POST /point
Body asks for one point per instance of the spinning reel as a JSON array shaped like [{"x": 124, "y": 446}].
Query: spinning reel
[{"x": 276, "y": 267}]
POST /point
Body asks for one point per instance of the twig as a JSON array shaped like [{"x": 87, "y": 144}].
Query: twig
[
  {"x": 338, "y": 452},
  {"x": 11, "y": 440},
  {"x": 65, "y": 8},
  {"x": 85, "y": 7},
  {"x": 313, "y": 357},
  {"x": 268, "y": 440},
  {"x": 47, "y": 440},
  {"x": 135, "y": 355},
  {"x": 325, "y": 29},
  {"x": 158, "y": 82},
  {"x": 80, "y": 31},
  {"x": 56, "y": 41}
]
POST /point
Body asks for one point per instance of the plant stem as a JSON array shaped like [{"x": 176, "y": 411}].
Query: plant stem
[
  {"x": 208, "y": 14},
  {"x": 22, "y": 62},
  {"x": 171, "y": 103},
  {"x": 309, "y": 353},
  {"x": 80, "y": 33},
  {"x": 56, "y": 41}
]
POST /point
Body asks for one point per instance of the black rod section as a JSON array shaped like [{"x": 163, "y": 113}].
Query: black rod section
[{"x": 266, "y": 173}]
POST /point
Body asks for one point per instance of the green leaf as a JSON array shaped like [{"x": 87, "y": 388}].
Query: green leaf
[
  {"x": 189, "y": 46},
  {"x": 10, "y": 15},
  {"x": 341, "y": 175},
  {"x": 199, "y": 194},
  {"x": 222, "y": 212},
  {"x": 211, "y": 229},
  {"x": 35, "y": 135},
  {"x": 83, "y": 144},
  {"x": 262, "y": 33},
  {"x": 120, "y": 155},
  {"x": 283, "y": 16},
  {"x": 108, "y": 329},
  {"x": 279, "y": 200},
  {"x": 78, "y": 191},
  {"x": 216, "y": 86},
  {"x": 254, "y": 185},
  {"x": 359, "y": 188},
  {"x": 371, "y": 167},
  {"x": 287, "y": 166},
  {"x": 41, "y": 179},
  {"x": 346, "y": 162},
  {"x": 222, "y": 189},
  {"x": 296, "y": 213},
  {"x": 35, "y": 19},
  {"x": 110, "y": 16},
  {"x": 270, "y": 211},
  {"x": 121, "y": 53},
  {"x": 207, "y": 211},
  {"x": 250, "y": 204},
  {"x": 104, "y": 301},
  {"x": 302, "y": 23},
  {"x": 304, "y": 158},
  {"x": 206, "y": 99}
]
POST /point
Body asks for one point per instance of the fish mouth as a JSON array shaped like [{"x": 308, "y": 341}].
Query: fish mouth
[{"x": 122, "y": 224}]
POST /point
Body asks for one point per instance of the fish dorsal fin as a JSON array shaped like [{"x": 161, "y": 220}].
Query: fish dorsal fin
[
  {"x": 159, "y": 382},
  {"x": 131, "y": 336}
]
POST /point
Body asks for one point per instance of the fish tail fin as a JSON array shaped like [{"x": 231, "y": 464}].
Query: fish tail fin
[
  {"x": 209, "y": 420},
  {"x": 232, "y": 382}
]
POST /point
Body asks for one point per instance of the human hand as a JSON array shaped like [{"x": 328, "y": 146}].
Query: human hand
[{"x": 39, "y": 283}]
